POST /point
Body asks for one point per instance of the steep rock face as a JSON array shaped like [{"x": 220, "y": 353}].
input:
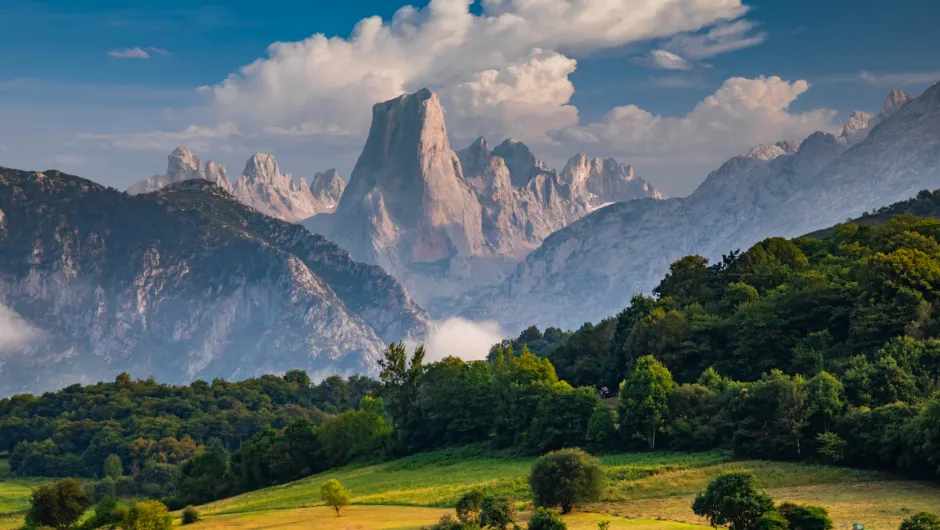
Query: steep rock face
[
  {"x": 447, "y": 222},
  {"x": 261, "y": 185},
  {"x": 327, "y": 188},
  {"x": 591, "y": 268},
  {"x": 182, "y": 165},
  {"x": 183, "y": 283},
  {"x": 600, "y": 181}
]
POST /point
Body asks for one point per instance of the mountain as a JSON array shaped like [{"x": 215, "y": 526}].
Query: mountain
[
  {"x": 448, "y": 222},
  {"x": 590, "y": 269},
  {"x": 182, "y": 283},
  {"x": 261, "y": 185}
]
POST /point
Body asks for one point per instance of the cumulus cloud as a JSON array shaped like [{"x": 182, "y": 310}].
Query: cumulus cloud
[
  {"x": 663, "y": 60},
  {"x": 15, "y": 331},
  {"x": 740, "y": 114},
  {"x": 459, "y": 337},
  {"x": 137, "y": 52},
  {"x": 328, "y": 84}
]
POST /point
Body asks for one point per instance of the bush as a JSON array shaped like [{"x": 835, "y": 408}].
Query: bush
[
  {"x": 830, "y": 448},
  {"x": 190, "y": 515},
  {"x": 602, "y": 430},
  {"x": 772, "y": 520},
  {"x": 100, "y": 489},
  {"x": 448, "y": 522},
  {"x": 921, "y": 521},
  {"x": 148, "y": 515},
  {"x": 544, "y": 519},
  {"x": 566, "y": 478},
  {"x": 806, "y": 517}
]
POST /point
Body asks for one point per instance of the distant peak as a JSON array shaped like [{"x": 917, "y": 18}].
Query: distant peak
[
  {"x": 896, "y": 99},
  {"x": 261, "y": 166}
]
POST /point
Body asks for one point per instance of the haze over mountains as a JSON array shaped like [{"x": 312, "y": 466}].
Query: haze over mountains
[
  {"x": 589, "y": 269},
  {"x": 182, "y": 283},
  {"x": 192, "y": 274}
]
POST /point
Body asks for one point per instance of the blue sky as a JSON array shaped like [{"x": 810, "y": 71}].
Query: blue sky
[{"x": 73, "y": 81}]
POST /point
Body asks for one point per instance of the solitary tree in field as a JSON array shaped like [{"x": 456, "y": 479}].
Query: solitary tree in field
[
  {"x": 566, "y": 478},
  {"x": 334, "y": 494},
  {"x": 732, "y": 500}
]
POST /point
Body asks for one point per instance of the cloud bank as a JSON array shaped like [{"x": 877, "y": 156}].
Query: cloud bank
[
  {"x": 459, "y": 337},
  {"x": 15, "y": 331}
]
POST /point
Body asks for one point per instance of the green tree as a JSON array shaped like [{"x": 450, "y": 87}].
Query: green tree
[
  {"x": 58, "y": 505},
  {"x": 298, "y": 377},
  {"x": 148, "y": 515},
  {"x": 566, "y": 478},
  {"x": 732, "y": 500},
  {"x": 113, "y": 467},
  {"x": 602, "y": 428},
  {"x": 334, "y": 494},
  {"x": 772, "y": 520},
  {"x": 544, "y": 519},
  {"x": 643, "y": 404},
  {"x": 825, "y": 399},
  {"x": 497, "y": 512},
  {"x": 562, "y": 418},
  {"x": 469, "y": 506},
  {"x": 921, "y": 521}
]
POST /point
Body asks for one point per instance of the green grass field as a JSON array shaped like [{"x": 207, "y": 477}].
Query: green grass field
[
  {"x": 14, "y": 496},
  {"x": 646, "y": 491}
]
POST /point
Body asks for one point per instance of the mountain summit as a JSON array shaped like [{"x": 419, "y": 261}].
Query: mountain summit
[{"x": 448, "y": 222}]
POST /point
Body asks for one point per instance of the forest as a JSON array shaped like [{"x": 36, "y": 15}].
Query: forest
[{"x": 819, "y": 349}]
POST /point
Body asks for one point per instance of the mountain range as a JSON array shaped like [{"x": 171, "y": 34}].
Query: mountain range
[
  {"x": 182, "y": 283},
  {"x": 591, "y": 268}
]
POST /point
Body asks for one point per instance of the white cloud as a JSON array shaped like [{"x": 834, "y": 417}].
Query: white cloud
[
  {"x": 137, "y": 52},
  {"x": 459, "y": 337},
  {"x": 328, "y": 84},
  {"x": 663, "y": 60},
  {"x": 194, "y": 136},
  {"x": 522, "y": 99},
  {"x": 129, "y": 53},
  {"x": 899, "y": 78},
  {"x": 15, "y": 331},
  {"x": 722, "y": 38},
  {"x": 739, "y": 115}
]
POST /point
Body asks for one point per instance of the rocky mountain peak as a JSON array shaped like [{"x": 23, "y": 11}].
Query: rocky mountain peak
[
  {"x": 182, "y": 161},
  {"x": 896, "y": 99},
  {"x": 474, "y": 159},
  {"x": 772, "y": 151},
  {"x": 216, "y": 173},
  {"x": 261, "y": 167},
  {"x": 327, "y": 187},
  {"x": 519, "y": 159}
]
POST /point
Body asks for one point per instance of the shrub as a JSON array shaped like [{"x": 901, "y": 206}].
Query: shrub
[
  {"x": 806, "y": 517},
  {"x": 830, "y": 448},
  {"x": 921, "y": 521},
  {"x": 566, "y": 478},
  {"x": 448, "y": 522},
  {"x": 190, "y": 515},
  {"x": 334, "y": 494},
  {"x": 772, "y": 520},
  {"x": 148, "y": 515},
  {"x": 544, "y": 519}
]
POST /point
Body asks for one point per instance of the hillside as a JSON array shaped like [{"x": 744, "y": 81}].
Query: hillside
[
  {"x": 592, "y": 267},
  {"x": 641, "y": 487},
  {"x": 181, "y": 284}
]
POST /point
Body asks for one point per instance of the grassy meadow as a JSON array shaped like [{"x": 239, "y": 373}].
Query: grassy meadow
[
  {"x": 645, "y": 491},
  {"x": 14, "y": 496}
]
